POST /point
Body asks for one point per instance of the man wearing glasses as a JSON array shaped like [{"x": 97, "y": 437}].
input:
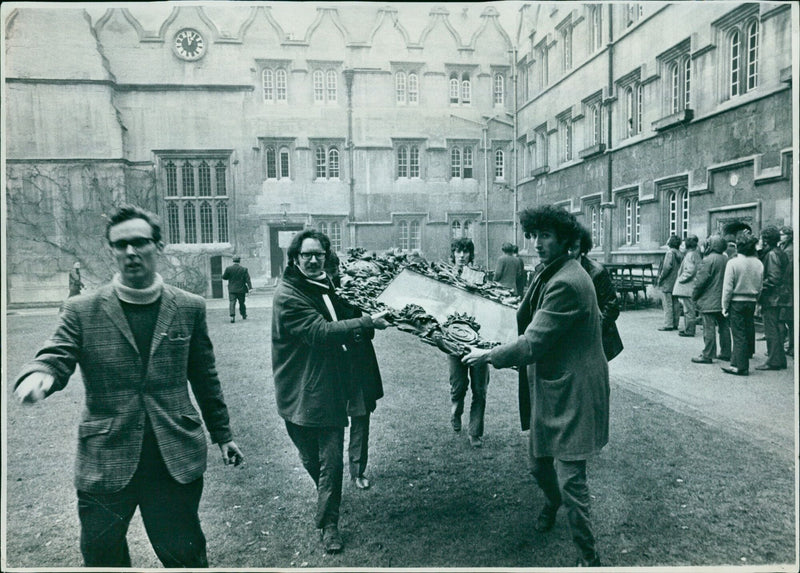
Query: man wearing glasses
[
  {"x": 141, "y": 441},
  {"x": 311, "y": 328}
]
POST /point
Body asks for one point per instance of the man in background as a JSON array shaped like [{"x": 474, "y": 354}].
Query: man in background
[
  {"x": 510, "y": 270},
  {"x": 75, "y": 283},
  {"x": 238, "y": 286}
]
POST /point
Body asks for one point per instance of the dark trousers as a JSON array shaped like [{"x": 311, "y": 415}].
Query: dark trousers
[
  {"x": 232, "y": 298},
  {"x": 713, "y": 321},
  {"x": 321, "y": 451},
  {"x": 775, "y": 332},
  {"x": 565, "y": 482},
  {"x": 743, "y": 333},
  {"x": 169, "y": 513},
  {"x": 358, "y": 447},
  {"x": 477, "y": 379}
]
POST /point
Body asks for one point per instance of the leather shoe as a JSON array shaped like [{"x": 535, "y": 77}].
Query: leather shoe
[
  {"x": 361, "y": 482},
  {"x": 546, "y": 519},
  {"x": 734, "y": 371},
  {"x": 233, "y": 320},
  {"x": 476, "y": 441},
  {"x": 686, "y": 334},
  {"x": 665, "y": 328},
  {"x": 701, "y": 360},
  {"x": 455, "y": 421},
  {"x": 768, "y": 367},
  {"x": 331, "y": 540}
]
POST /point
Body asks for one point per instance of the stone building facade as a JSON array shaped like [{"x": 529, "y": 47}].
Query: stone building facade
[
  {"x": 650, "y": 119},
  {"x": 385, "y": 126}
]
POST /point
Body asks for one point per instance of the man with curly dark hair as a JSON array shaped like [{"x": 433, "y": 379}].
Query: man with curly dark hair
[{"x": 563, "y": 374}]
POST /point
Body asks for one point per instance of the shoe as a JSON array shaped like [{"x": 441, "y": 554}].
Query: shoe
[
  {"x": 361, "y": 482},
  {"x": 233, "y": 320},
  {"x": 546, "y": 519},
  {"x": 734, "y": 371},
  {"x": 331, "y": 540},
  {"x": 665, "y": 328},
  {"x": 244, "y": 318},
  {"x": 686, "y": 334},
  {"x": 594, "y": 562},
  {"x": 768, "y": 367},
  {"x": 475, "y": 441},
  {"x": 724, "y": 358},
  {"x": 455, "y": 421},
  {"x": 701, "y": 360}
]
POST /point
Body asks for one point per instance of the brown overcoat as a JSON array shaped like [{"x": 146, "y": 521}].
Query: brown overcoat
[{"x": 565, "y": 385}]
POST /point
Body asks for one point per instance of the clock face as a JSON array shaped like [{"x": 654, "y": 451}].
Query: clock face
[{"x": 189, "y": 44}]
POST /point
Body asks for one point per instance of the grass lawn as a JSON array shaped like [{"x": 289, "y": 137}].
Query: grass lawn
[{"x": 667, "y": 491}]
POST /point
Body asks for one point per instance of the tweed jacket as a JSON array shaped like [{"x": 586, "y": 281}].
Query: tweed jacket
[
  {"x": 238, "y": 278},
  {"x": 563, "y": 371},
  {"x": 707, "y": 291},
  {"x": 510, "y": 273},
  {"x": 310, "y": 363},
  {"x": 668, "y": 271},
  {"x": 94, "y": 333}
]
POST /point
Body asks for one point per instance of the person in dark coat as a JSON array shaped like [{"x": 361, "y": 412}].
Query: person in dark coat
[
  {"x": 563, "y": 372},
  {"x": 238, "y": 286},
  {"x": 771, "y": 298},
  {"x": 365, "y": 388},
  {"x": 606, "y": 295},
  {"x": 667, "y": 275},
  {"x": 707, "y": 295},
  {"x": 311, "y": 370},
  {"x": 787, "y": 301},
  {"x": 75, "y": 283},
  {"x": 510, "y": 270}
]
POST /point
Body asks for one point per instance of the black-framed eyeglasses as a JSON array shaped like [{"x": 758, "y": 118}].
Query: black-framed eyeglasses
[
  {"x": 137, "y": 243},
  {"x": 319, "y": 255}
]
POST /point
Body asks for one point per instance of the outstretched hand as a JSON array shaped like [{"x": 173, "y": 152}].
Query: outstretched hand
[
  {"x": 231, "y": 454},
  {"x": 34, "y": 387},
  {"x": 476, "y": 357},
  {"x": 378, "y": 320}
]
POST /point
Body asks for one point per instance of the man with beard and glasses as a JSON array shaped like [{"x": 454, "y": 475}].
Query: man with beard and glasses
[{"x": 310, "y": 365}]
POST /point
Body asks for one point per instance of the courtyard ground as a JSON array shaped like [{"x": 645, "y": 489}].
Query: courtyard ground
[{"x": 700, "y": 469}]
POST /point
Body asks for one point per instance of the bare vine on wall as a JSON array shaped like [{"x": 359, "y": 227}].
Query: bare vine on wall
[{"x": 57, "y": 215}]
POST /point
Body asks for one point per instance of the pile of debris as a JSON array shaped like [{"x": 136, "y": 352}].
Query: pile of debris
[{"x": 365, "y": 275}]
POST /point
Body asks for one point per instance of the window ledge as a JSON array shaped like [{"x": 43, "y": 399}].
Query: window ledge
[
  {"x": 678, "y": 118},
  {"x": 540, "y": 170},
  {"x": 592, "y": 151}
]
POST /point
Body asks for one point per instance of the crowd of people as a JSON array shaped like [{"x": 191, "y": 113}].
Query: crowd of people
[
  {"x": 725, "y": 282},
  {"x": 138, "y": 340}
]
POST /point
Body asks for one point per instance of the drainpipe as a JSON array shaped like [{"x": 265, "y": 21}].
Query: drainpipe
[
  {"x": 607, "y": 231},
  {"x": 348, "y": 79},
  {"x": 514, "y": 145},
  {"x": 486, "y": 187}
]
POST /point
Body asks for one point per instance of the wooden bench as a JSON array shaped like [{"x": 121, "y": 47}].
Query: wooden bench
[{"x": 632, "y": 278}]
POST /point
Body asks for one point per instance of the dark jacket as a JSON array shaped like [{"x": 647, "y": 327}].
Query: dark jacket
[
  {"x": 75, "y": 283},
  {"x": 94, "y": 333},
  {"x": 776, "y": 281},
  {"x": 238, "y": 279},
  {"x": 309, "y": 362},
  {"x": 609, "y": 306},
  {"x": 510, "y": 273},
  {"x": 564, "y": 390},
  {"x": 668, "y": 271},
  {"x": 787, "y": 300},
  {"x": 710, "y": 277}
]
